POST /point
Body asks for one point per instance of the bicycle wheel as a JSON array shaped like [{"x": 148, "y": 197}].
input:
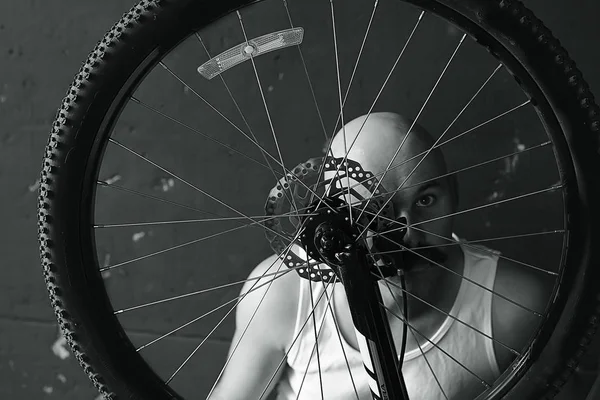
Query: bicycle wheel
[{"x": 253, "y": 73}]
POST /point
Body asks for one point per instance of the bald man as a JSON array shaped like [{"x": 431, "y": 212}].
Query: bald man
[{"x": 460, "y": 333}]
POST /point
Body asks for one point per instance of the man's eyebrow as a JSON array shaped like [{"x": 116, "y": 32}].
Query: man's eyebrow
[{"x": 429, "y": 185}]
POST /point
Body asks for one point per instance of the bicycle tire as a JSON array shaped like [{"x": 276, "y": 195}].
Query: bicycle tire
[{"x": 152, "y": 28}]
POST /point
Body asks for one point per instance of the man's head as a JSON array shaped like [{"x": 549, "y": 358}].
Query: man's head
[{"x": 423, "y": 195}]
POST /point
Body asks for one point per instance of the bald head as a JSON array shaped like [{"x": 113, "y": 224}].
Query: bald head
[{"x": 381, "y": 134}]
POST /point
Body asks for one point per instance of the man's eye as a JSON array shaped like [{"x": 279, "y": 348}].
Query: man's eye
[{"x": 426, "y": 201}]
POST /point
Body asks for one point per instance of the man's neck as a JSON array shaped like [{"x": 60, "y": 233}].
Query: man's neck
[{"x": 428, "y": 292}]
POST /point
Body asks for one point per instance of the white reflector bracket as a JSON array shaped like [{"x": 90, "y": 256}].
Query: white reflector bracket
[{"x": 252, "y": 48}]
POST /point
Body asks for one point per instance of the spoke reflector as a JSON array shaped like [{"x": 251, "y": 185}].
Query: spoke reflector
[{"x": 252, "y": 48}]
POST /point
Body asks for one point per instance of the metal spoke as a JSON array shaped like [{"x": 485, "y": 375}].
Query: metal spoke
[
  {"x": 339, "y": 335},
  {"x": 241, "y": 297},
  {"x": 310, "y": 85},
  {"x": 484, "y": 123},
  {"x": 376, "y": 97},
  {"x": 328, "y": 141},
  {"x": 481, "y": 380},
  {"x": 264, "y": 152},
  {"x": 264, "y": 101},
  {"x": 312, "y": 303},
  {"x": 483, "y": 163},
  {"x": 254, "y": 139},
  {"x": 134, "y": 99},
  {"x": 148, "y": 196},
  {"x": 403, "y": 162},
  {"x": 465, "y": 244},
  {"x": 414, "y": 296},
  {"x": 292, "y": 344},
  {"x": 287, "y": 250},
  {"x": 270, "y": 283},
  {"x": 189, "y": 221},
  {"x": 207, "y": 313},
  {"x": 441, "y": 136},
  {"x": 187, "y": 207},
  {"x": 251, "y": 139},
  {"x": 231, "y": 95},
  {"x": 339, "y": 87},
  {"x": 410, "y": 131},
  {"x": 471, "y": 100},
  {"x": 427, "y": 362},
  {"x": 111, "y": 140},
  {"x": 454, "y": 243},
  {"x": 470, "y": 167},
  {"x": 537, "y": 314},
  {"x": 180, "y": 246},
  {"x": 313, "y": 350},
  {"x": 495, "y": 203},
  {"x": 404, "y": 314},
  {"x": 362, "y": 46},
  {"x": 234, "y": 349},
  {"x": 197, "y": 292}
]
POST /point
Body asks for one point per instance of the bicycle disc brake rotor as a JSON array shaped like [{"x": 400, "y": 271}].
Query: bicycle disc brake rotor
[{"x": 287, "y": 197}]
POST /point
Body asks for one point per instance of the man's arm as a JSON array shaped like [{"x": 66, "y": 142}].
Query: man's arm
[{"x": 266, "y": 333}]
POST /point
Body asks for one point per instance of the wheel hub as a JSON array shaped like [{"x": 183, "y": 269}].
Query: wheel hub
[
  {"x": 321, "y": 229},
  {"x": 328, "y": 231}
]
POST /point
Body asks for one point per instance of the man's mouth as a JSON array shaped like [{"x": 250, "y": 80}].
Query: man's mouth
[{"x": 422, "y": 259}]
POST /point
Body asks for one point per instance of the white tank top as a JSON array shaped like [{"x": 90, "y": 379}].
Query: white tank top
[{"x": 473, "y": 306}]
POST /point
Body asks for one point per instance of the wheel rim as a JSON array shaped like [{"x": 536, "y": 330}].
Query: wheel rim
[{"x": 94, "y": 170}]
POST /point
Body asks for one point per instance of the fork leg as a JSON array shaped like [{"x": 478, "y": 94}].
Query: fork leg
[{"x": 372, "y": 327}]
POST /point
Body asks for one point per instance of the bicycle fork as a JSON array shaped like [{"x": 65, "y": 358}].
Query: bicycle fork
[
  {"x": 372, "y": 328},
  {"x": 330, "y": 238}
]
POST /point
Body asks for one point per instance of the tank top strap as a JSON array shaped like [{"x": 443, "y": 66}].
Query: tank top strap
[
  {"x": 310, "y": 295},
  {"x": 484, "y": 264},
  {"x": 480, "y": 264},
  {"x": 447, "y": 324}
]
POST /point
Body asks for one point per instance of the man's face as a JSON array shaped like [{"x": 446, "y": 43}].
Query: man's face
[
  {"x": 425, "y": 204},
  {"x": 424, "y": 197}
]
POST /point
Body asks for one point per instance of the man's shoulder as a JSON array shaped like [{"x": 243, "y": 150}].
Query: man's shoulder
[
  {"x": 268, "y": 302},
  {"x": 273, "y": 272},
  {"x": 523, "y": 284},
  {"x": 513, "y": 324},
  {"x": 274, "y": 285}
]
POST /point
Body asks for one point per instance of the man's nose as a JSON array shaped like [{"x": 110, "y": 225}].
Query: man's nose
[{"x": 412, "y": 237}]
